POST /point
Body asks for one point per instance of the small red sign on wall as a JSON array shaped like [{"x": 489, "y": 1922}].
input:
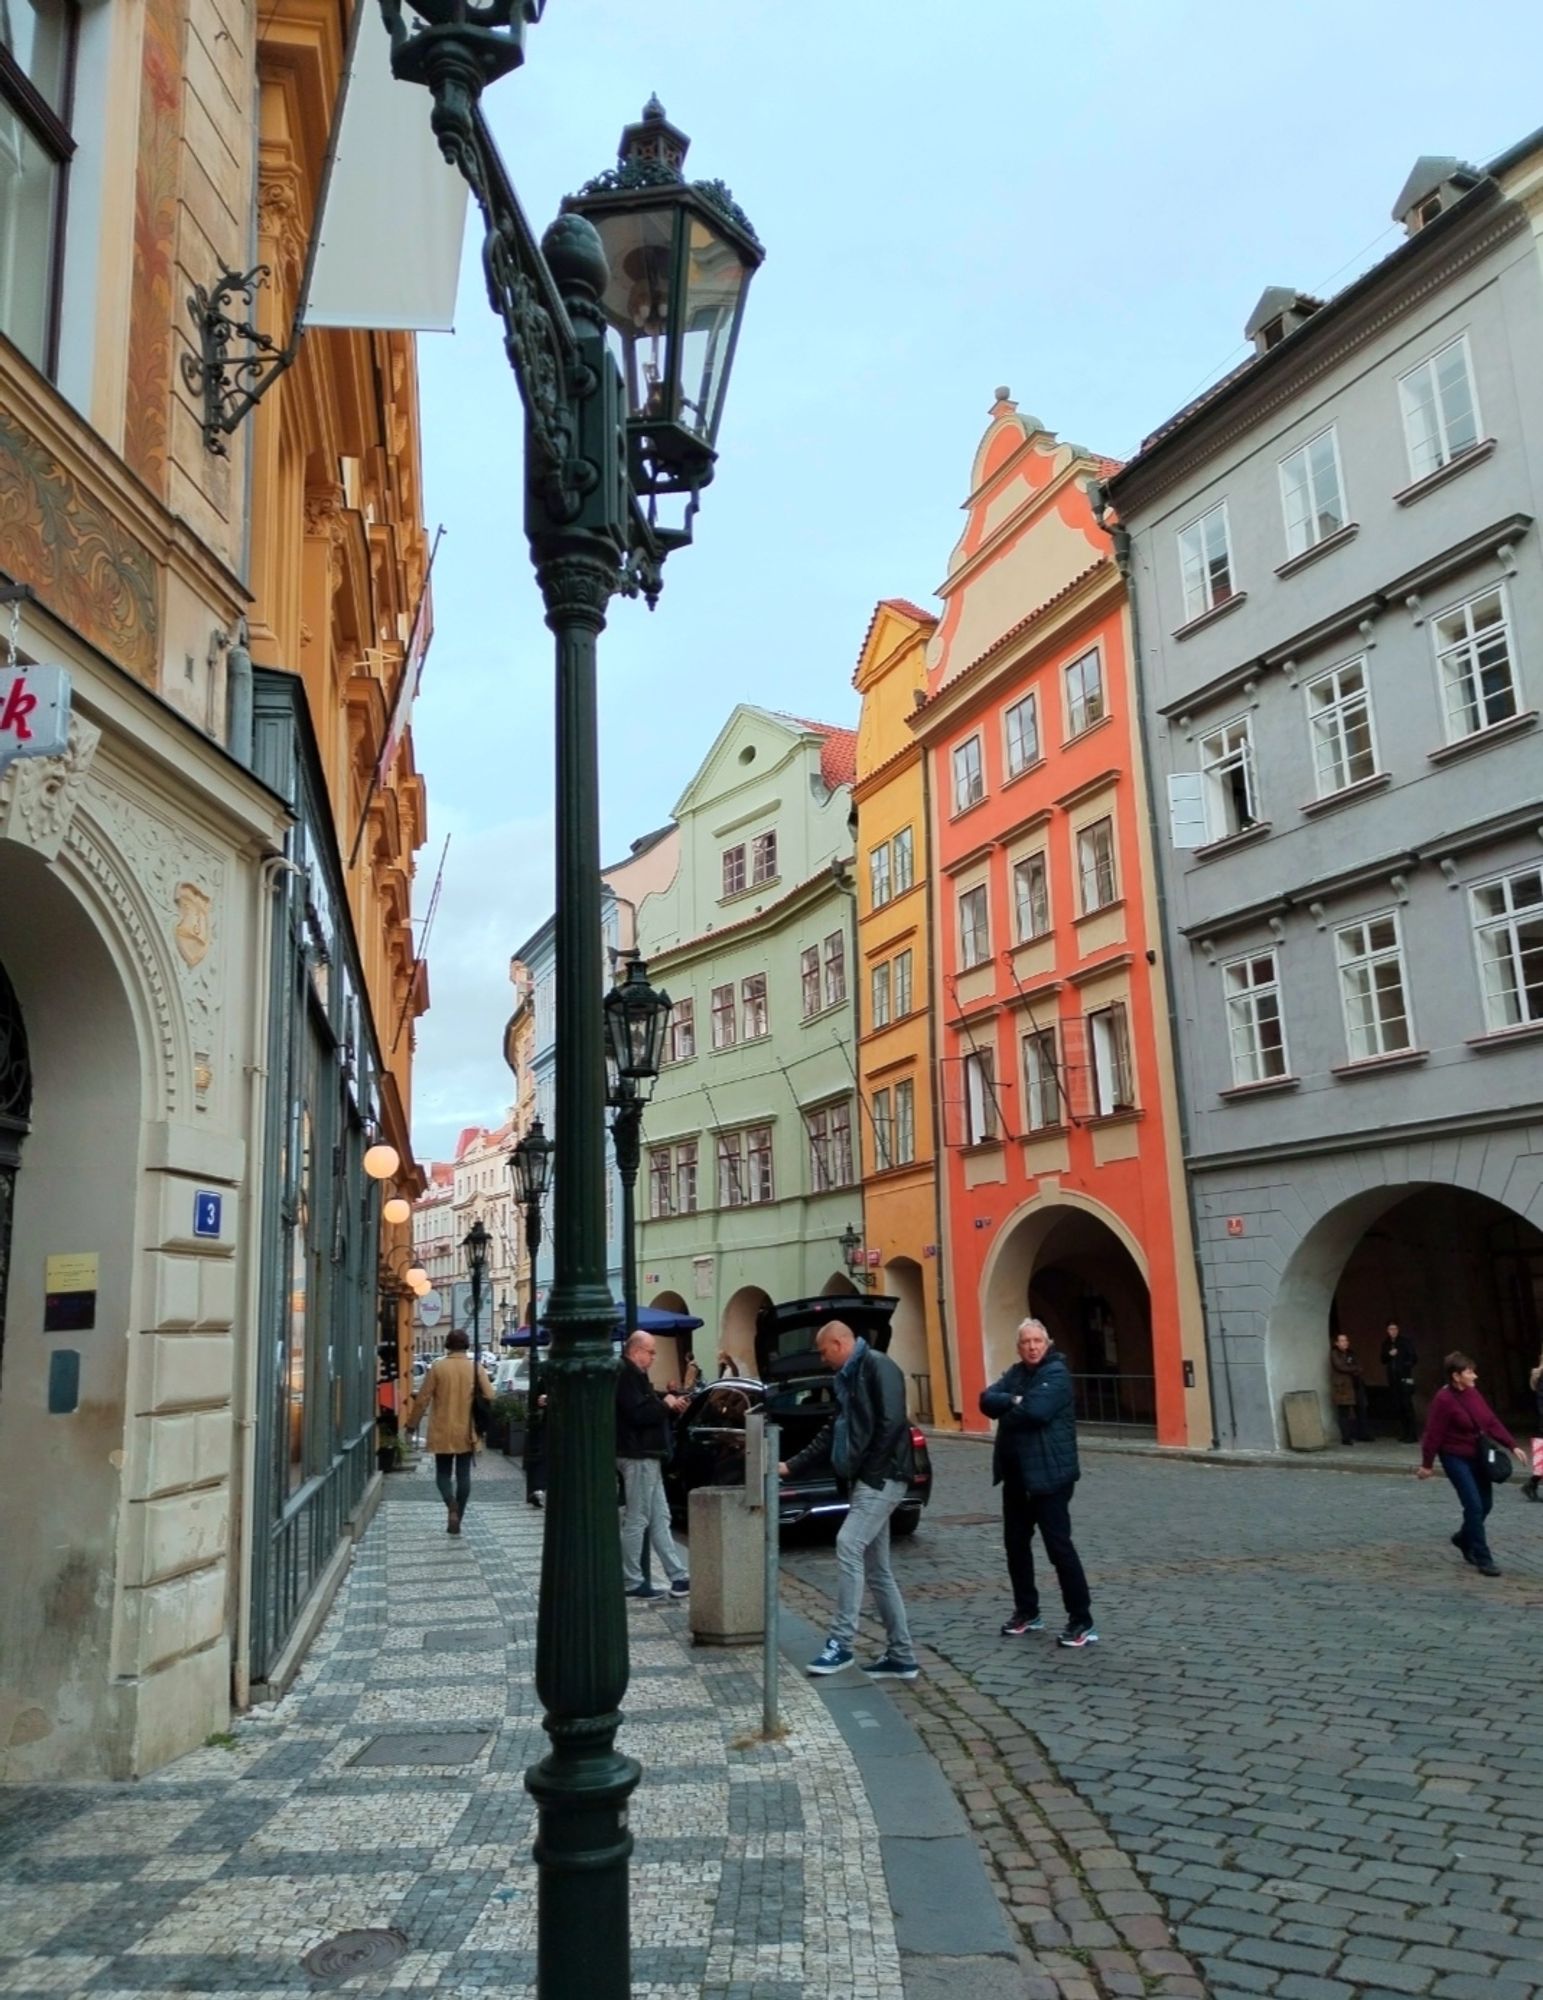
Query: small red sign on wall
[{"x": 1234, "y": 1225}]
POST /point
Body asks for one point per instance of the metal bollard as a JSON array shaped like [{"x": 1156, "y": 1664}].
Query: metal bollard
[{"x": 772, "y": 1510}]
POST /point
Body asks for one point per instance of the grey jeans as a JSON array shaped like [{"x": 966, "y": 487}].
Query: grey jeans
[
  {"x": 862, "y": 1555},
  {"x": 648, "y": 1513}
]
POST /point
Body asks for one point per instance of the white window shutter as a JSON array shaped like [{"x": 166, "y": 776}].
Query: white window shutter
[{"x": 1186, "y": 808}]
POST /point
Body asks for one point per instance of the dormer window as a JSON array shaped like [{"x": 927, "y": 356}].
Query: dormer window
[
  {"x": 1281, "y": 310},
  {"x": 1435, "y": 182}
]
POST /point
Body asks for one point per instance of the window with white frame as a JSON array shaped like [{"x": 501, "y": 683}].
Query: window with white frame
[
  {"x": 661, "y": 1184},
  {"x": 809, "y": 980},
  {"x": 1041, "y": 1080},
  {"x": 1227, "y": 766},
  {"x": 1475, "y": 660},
  {"x": 969, "y": 774},
  {"x": 883, "y": 1130},
  {"x": 829, "y": 1131},
  {"x": 1095, "y": 865},
  {"x": 980, "y": 1098},
  {"x": 1031, "y": 897},
  {"x": 1205, "y": 563},
  {"x": 1339, "y": 714},
  {"x": 733, "y": 869},
  {"x": 1256, "y": 1031},
  {"x": 1021, "y": 723},
  {"x": 758, "y": 1162},
  {"x": 763, "y": 857},
  {"x": 1084, "y": 692},
  {"x": 683, "y": 1030},
  {"x": 902, "y": 985},
  {"x": 733, "y": 1190},
  {"x": 878, "y": 997},
  {"x": 685, "y": 1178},
  {"x": 1508, "y": 927},
  {"x": 835, "y": 969},
  {"x": 878, "y": 875},
  {"x": 724, "y": 1028},
  {"x": 1109, "y": 1070},
  {"x": 1372, "y": 987},
  {"x": 1312, "y": 493},
  {"x": 1440, "y": 408},
  {"x": 905, "y": 1122},
  {"x": 974, "y": 927},
  {"x": 757, "y": 1014},
  {"x": 904, "y": 870},
  {"x": 37, "y": 62}
]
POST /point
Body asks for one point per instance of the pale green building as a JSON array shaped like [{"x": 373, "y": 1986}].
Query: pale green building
[{"x": 751, "y": 1162}]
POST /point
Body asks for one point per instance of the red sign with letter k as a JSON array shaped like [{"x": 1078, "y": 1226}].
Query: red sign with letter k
[{"x": 19, "y": 704}]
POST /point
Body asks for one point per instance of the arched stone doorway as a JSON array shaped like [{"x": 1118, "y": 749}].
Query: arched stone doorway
[
  {"x": 738, "y": 1335},
  {"x": 1073, "y": 1264},
  {"x": 839, "y": 1286},
  {"x": 1454, "y": 1268},
  {"x": 908, "y": 1335},
  {"x": 671, "y": 1351}
]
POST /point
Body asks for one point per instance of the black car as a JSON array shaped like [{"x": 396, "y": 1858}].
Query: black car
[{"x": 796, "y": 1390}]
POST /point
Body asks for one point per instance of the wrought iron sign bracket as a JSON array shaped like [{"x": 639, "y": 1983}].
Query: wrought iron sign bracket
[{"x": 236, "y": 363}]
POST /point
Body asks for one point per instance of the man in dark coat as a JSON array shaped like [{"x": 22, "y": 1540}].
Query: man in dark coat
[
  {"x": 643, "y": 1420},
  {"x": 1397, "y": 1356},
  {"x": 1035, "y": 1464}
]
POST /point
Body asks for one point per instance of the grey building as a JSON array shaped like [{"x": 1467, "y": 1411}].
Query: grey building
[{"x": 1337, "y": 589}]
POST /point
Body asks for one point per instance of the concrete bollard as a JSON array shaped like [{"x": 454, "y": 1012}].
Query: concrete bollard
[{"x": 728, "y": 1558}]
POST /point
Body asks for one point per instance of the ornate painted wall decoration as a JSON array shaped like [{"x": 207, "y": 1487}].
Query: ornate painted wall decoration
[
  {"x": 154, "y": 305},
  {"x": 85, "y": 566}
]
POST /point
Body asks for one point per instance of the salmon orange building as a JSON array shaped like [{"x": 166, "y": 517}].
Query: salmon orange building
[{"x": 1061, "y": 1170}]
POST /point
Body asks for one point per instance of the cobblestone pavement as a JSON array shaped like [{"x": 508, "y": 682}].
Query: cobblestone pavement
[
  {"x": 218, "y": 1874},
  {"x": 1309, "y": 1736}
]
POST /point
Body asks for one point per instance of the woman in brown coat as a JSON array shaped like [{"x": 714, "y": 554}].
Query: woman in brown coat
[
  {"x": 446, "y": 1393},
  {"x": 1348, "y": 1389}
]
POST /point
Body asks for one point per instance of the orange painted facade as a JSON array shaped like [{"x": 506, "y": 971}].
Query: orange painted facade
[{"x": 1062, "y": 1179}]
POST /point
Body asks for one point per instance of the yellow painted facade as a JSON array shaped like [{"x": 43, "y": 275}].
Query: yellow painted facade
[{"x": 901, "y": 1229}]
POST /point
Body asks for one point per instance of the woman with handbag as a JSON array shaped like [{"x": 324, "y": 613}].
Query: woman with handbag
[
  {"x": 455, "y": 1393},
  {"x": 1470, "y": 1440},
  {"x": 1347, "y": 1387}
]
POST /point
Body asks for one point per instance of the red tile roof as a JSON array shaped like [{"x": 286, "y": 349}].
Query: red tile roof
[{"x": 838, "y": 750}]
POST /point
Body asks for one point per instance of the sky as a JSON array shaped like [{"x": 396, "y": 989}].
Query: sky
[{"x": 1080, "y": 202}]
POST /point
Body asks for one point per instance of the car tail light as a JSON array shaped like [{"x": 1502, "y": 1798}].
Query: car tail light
[{"x": 918, "y": 1438}]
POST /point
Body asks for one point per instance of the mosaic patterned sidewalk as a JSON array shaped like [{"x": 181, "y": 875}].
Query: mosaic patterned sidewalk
[{"x": 756, "y": 1870}]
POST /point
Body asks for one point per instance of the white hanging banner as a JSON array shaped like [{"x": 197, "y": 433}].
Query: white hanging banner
[
  {"x": 388, "y": 254},
  {"x": 34, "y": 712}
]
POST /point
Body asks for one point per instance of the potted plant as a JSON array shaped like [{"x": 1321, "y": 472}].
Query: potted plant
[{"x": 506, "y": 1431}]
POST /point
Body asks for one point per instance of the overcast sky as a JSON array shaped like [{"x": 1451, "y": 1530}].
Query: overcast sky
[{"x": 1081, "y": 202}]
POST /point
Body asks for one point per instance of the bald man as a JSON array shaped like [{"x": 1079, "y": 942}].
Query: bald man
[{"x": 643, "y": 1419}]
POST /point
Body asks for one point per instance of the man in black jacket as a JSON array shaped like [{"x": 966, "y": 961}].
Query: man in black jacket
[
  {"x": 868, "y": 1443},
  {"x": 642, "y": 1446},
  {"x": 1034, "y": 1461},
  {"x": 1397, "y": 1354}
]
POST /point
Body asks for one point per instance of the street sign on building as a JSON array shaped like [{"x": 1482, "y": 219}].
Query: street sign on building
[
  {"x": 431, "y": 1309},
  {"x": 34, "y": 712}
]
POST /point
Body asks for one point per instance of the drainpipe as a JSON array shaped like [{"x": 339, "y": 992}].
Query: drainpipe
[
  {"x": 1119, "y": 535},
  {"x": 940, "y": 1262},
  {"x": 238, "y": 697}
]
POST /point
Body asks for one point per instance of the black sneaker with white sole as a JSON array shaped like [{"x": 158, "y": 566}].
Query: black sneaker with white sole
[
  {"x": 1078, "y": 1632},
  {"x": 1021, "y": 1622},
  {"x": 890, "y": 1669}
]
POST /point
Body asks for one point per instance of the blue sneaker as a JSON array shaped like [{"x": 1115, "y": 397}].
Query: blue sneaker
[
  {"x": 644, "y": 1590},
  {"x": 680, "y": 1586},
  {"x": 832, "y": 1659},
  {"x": 890, "y": 1669}
]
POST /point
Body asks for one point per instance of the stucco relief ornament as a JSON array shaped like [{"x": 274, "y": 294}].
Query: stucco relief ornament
[
  {"x": 195, "y": 911},
  {"x": 38, "y": 796}
]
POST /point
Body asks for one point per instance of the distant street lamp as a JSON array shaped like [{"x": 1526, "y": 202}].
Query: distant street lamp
[
  {"x": 530, "y": 1165},
  {"x": 855, "y": 1257},
  {"x": 636, "y": 1017},
  {"x": 475, "y": 1244}
]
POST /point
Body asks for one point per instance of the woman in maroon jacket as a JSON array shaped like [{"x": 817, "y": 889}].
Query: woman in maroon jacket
[{"x": 1458, "y": 1417}]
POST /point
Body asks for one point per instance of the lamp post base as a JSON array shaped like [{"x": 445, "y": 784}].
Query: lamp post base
[{"x": 581, "y": 1788}]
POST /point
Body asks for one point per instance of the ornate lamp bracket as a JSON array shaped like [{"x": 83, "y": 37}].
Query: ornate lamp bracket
[{"x": 236, "y": 363}]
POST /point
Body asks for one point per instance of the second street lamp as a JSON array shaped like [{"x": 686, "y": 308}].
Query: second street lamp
[
  {"x": 636, "y": 1016},
  {"x": 530, "y": 1166},
  {"x": 475, "y": 1245}
]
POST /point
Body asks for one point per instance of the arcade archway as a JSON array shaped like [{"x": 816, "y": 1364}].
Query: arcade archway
[
  {"x": 738, "y": 1335},
  {"x": 908, "y": 1335}
]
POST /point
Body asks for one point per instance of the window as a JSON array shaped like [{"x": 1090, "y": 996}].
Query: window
[
  {"x": 1371, "y": 986},
  {"x": 902, "y": 985},
  {"x": 1031, "y": 897},
  {"x": 1473, "y": 655},
  {"x": 1109, "y": 1060},
  {"x": 905, "y": 1123},
  {"x": 809, "y": 980},
  {"x": 763, "y": 858},
  {"x": 1255, "y": 1032},
  {"x": 1311, "y": 493},
  {"x": 980, "y": 1100},
  {"x": 1022, "y": 735},
  {"x": 1041, "y": 1085},
  {"x": 1339, "y": 713},
  {"x": 905, "y": 872},
  {"x": 733, "y": 869},
  {"x": 878, "y": 875},
  {"x": 685, "y": 1178},
  {"x": 974, "y": 931},
  {"x": 37, "y": 46},
  {"x": 1205, "y": 562},
  {"x": 1441, "y": 411},
  {"x": 830, "y": 1146},
  {"x": 1508, "y": 923},
  {"x": 757, "y": 1014},
  {"x": 1227, "y": 766},
  {"x": 883, "y": 1131},
  {"x": 758, "y": 1150},
  {"x": 1084, "y": 693},
  {"x": 835, "y": 969},
  {"x": 878, "y": 997},
  {"x": 660, "y": 1182},
  {"x": 733, "y": 1190},
  {"x": 683, "y": 1031},
  {"x": 1095, "y": 865},
  {"x": 969, "y": 777},
  {"x": 723, "y": 1017}
]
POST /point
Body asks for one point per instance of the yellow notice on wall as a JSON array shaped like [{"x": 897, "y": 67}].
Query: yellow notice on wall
[{"x": 74, "y": 1272}]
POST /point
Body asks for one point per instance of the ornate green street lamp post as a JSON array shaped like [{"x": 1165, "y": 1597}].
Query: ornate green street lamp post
[
  {"x": 657, "y": 268},
  {"x": 636, "y": 1016},
  {"x": 530, "y": 1165},
  {"x": 475, "y": 1245}
]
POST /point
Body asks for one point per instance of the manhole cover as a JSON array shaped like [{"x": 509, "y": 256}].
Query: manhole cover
[
  {"x": 464, "y": 1638},
  {"x": 351, "y": 1952},
  {"x": 965, "y": 1520},
  {"x": 425, "y": 1746}
]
